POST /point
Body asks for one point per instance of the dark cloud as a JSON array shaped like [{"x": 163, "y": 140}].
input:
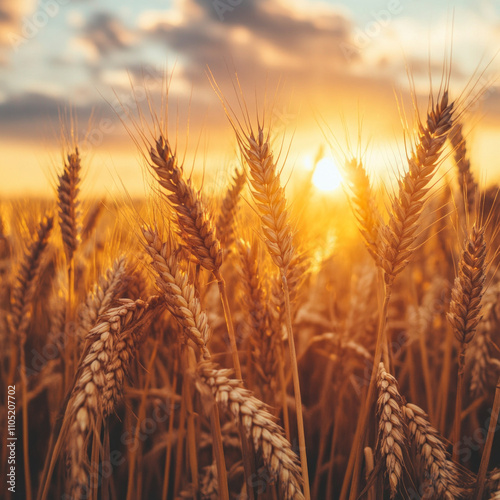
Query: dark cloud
[
  {"x": 267, "y": 42},
  {"x": 272, "y": 21},
  {"x": 11, "y": 13},
  {"x": 106, "y": 33},
  {"x": 37, "y": 115},
  {"x": 264, "y": 41},
  {"x": 5, "y": 15},
  {"x": 261, "y": 36},
  {"x": 29, "y": 106}
]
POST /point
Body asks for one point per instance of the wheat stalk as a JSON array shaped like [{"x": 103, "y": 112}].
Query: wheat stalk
[
  {"x": 271, "y": 203},
  {"x": 397, "y": 239},
  {"x": 485, "y": 457},
  {"x": 465, "y": 309},
  {"x": 100, "y": 377},
  {"x": 196, "y": 225},
  {"x": 22, "y": 298}
]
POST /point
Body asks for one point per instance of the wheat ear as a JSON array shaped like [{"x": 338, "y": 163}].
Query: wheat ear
[
  {"x": 260, "y": 426},
  {"x": 182, "y": 301},
  {"x": 481, "y": 362},
  {"x": 194, "y": 220},
  {"x": 480, "y": 359},
  {"x": 69, "y": 212},
  {"x": 406, "y": 208},
  {"x": 180, "y": 296},
  {"x": 493, "y": 481},
  {"x": 258, "y": 316},
  {"x": 103, "y": 293},
  {"x": 270, "y": 200},
  {"x": 465, "y": 309},
  {"x": 396, "y": 249},
  {"x": 70, "y": 224},
  {"x": 443, "y": 480},
  {"x": 391, "y": 438},
  {"x": 465, "y": 175},
  {"x": 228, "y": 208},
  {"x": 364, "y": 206},
  {"x": 195, "y": 224},
  {"x": 100, "y": 377},
  {"x": 23, "y": 295},
  {"x": 24, "y": 290},
  {"x": 91, "y": 220}
]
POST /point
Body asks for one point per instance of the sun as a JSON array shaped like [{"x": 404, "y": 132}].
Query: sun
[{"x": 327, "y": 175}]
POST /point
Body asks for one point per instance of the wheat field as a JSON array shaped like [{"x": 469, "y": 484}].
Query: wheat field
[{"x": 257, "y": 342}]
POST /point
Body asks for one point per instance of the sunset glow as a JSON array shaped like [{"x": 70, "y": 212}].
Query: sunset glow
[
  {"x": 332, "y": 61},
  {"x": 327, "y": 176}
]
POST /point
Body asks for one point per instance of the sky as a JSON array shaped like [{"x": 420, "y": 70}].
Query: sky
[{"x": 324, "y": 72}]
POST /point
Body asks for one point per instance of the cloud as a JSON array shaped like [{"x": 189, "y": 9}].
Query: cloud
[
  {"x": 105, "y": 33},
  {"x": 260, "y": 35},
  {"x": 28, "y": 106},
  {"x": 314, "y": 49},
  {"x": 36, "y": 115},
  {"x": 11, "y": 15},
  {"x": 266, "y": 43}
]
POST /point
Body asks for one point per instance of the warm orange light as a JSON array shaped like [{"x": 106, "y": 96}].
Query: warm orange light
[{"x": 327, "y": 175}]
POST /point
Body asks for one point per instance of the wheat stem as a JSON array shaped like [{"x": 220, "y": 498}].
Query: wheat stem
[
  {"x": 191, "y": 432},
  {"x": 24, "y": 389},
  {"x": 281, "y": 374},
  {"x": 457, "y": 422},
  {"x": 181, "y": 433},
  {"x": 296, "y": 388},
  {"x": 353, "y": 466},
  {"x": 140, "y": 418},
  {"x": 229, "y": 323},
  {"x": 219, "y": 453},
  {"x": 170, "y": 436},
  {"x": 485, "y": 458}
]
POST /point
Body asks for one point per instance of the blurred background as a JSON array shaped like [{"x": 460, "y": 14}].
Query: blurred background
[{"x": 324, "y": 71}]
